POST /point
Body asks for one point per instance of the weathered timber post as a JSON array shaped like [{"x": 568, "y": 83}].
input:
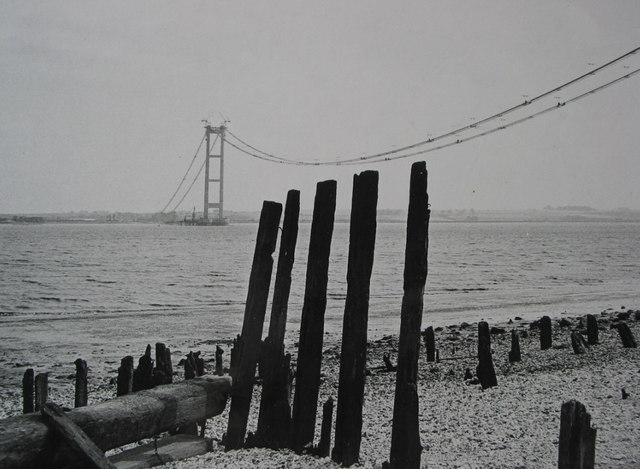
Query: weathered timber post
[
  {"x": 628, "y": 341},
  {"x": 577, "y": 446},
  {"x": 250, "y": 338},
  {"x": 577, "y": 343},
  {"x": 274, "y": 420},
  {"x": 430, "y": 343},
  {"x": 143, "y": 374},
  {"x": 305, "y": 401},
  {"x": 483, "y": 335},
  {"x": 42, "y": 390},
  {"x": 81, "y": 396},
  {"x": 125, "y": 376},
  {"x": 485, "y": 370},
  {"x": 405, "y": 434},
  {"x": 325, "y": 431},
  {"x": 514, "y": 353},
  {"x": 219, "y": 364},
  {"x": 592, "y": 330},
  {"x": 190, "y": 366},
  {"x": 199, "y": 361},
  {"x": 545, "y": 332},
  {"x": 26, "y": 442},
  {"x": 27, "y": 391},
  {"x": 353, "y": 355},
  {"x": 159, "y": 376}
]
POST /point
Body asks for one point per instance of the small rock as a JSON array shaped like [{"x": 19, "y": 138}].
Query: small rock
[{"x": 564, "y": 322}]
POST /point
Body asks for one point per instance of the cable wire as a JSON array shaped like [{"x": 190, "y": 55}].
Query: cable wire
[{"x": 185, "y": 174}]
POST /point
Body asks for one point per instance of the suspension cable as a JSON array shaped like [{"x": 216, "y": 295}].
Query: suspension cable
[{"x": 185, "y": 174}]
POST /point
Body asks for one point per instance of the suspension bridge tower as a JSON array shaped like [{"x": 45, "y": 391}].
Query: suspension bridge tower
[{"x": 214, "y": 174}]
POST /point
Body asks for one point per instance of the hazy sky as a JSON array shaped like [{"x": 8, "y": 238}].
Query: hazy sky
[{"x": 101, "y": 102}]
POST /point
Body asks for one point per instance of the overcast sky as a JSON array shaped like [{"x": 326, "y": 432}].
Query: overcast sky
[{"x": 101, "y": 102}]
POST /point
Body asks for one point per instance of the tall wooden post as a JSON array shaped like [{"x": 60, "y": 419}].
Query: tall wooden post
[
  {"x": 592, "y": 329},
  {"x": 305, "y": 401},
  {"x": 42, "y": 390},
  {"x": 353, "y": 356},
  {"x": 274, "y": 420},
  {"x": 81, "y": 396},
  {"x": 125, "y": 376},
  {"x": 485, "y": 370},
  {"x": 430, "y": 343},
  {"x": 514, "y": 353},
  {"x": 405, "y": 434},
  {"x": 250, "y": 338},
  {"x": 545, "y": 333}
]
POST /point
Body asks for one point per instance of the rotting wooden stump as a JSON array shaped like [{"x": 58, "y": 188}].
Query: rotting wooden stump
[
  {"x": 628, "y": 341},
  {"x": 430, "y": 343},
  {"x": 545, "y": 332},
  {"x": 26, "y": 441},
  {"x": 485, "y": 370},
  {"x": 42, "y": 390},
  {"x": 219, "y": 362},
  {"x": 143, "y": 374},
  {"x": 577, "y": 445},
  {"x": 28, "y": 388},
  {"x": 515, "y": 354},
  {"x": 592, "y": 329},
  {"x": 81, "y": 394},
  {"x": 578, "y": 343},
  {"x": 125, "y": 376}
]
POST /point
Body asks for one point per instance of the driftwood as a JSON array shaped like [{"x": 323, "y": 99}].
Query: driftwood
[
  {"x": 405, "y": 434},
  {"x": 72, "y": 435},
  {"x": 305, "y": 401},
  {"x": 353, "y": 356},
  {"x": 26, "y": 442},
  {"x": 577, "y": 444}
]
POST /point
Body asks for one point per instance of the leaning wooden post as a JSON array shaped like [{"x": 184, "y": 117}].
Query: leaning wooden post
[
  {"x": 125, "y": 376},
  {"x": 81, "y": 396},
  {"x": 27, "y": 391},
  {"x": 577, "y": 445},
  {"x": 353, "y": 355},
  {"x": 545, "y": 332},
  {"x": 628, "y": 341},
  {"x": 577, "y": 343},
  {"x": 42, "y": 390},
  {"x": 274, "y": 420},
  {"x": 514, "y": 353},
  {"x": 592, "y": 330},
  {"x": 430, "y": 343},
  {"x": 305, "y": 401},
  {"x": 485, "y": 370},
  {"x": 405, "y": 434},
  {"x": 251, "y": 335}
]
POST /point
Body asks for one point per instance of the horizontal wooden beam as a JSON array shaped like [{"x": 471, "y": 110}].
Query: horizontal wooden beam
[{"x": 26, "y": 441}]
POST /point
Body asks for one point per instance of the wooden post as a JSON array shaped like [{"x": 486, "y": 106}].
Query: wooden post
[
  {"x": 485, "y": 370},
  {"x": 353, "y": 356},
  {"x": 190, "y": 366},
  {"x": 27, "y": 391},
  {"x": 42, "y": 390},
  {"x": 143, "y": 375},
  {"x": 250, "y": 338},
  {"x": 125, "y": 376},
  {"x": 430, "y": 343},
  {"x": 577, "y": 342},
  {"x": 81, "y": 395},
  {"x": 545, "y": 333},
  {"x": 628, "y": 341},
  {"x": 305, "y": 401},
  {"x": 26, "y": 440},
  {"x": 219, "y": 364},
  {"x": 577, "y": 444},
  {"x": 514, "y": 354},
  {"x": 325, "y": 431},
  {"x": 168, "y": 366},
  {"x": 274, "y": 420},
  {"x": 592, "y": 330},
  {"x": 405, "y": 434}
]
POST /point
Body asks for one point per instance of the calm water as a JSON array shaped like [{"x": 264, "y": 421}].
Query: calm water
[{"x": 142, "y": 283}]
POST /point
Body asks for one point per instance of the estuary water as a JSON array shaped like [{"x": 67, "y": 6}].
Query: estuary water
[{"x": 81, "y": 287}]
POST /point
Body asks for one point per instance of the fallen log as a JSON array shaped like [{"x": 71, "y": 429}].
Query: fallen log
[{"x": 26, "y": 441}]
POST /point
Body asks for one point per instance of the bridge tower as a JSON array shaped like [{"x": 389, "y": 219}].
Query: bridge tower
[{"x": 214, "y": 174}]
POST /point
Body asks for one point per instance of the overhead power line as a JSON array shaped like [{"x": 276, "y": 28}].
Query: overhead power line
[{"x": 398, "y": 152}]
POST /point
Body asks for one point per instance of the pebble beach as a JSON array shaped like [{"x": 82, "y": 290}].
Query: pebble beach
[{"x": 512, "y": 425}]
